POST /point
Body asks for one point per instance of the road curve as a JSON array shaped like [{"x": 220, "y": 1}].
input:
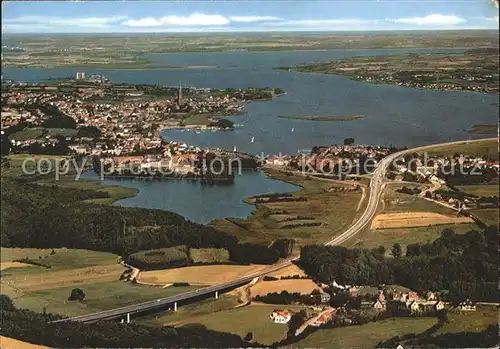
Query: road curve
[{"x": 376, "y": 188}]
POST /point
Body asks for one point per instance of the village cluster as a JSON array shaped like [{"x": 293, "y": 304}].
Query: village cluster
[
  {"x": 389, "y": 78},
  {"x": 114, "y": 122},
  {"x": 395, "y": 302}
]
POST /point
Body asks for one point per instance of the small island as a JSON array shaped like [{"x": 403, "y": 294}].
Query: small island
[
  {"x": 484, "y": 129},
  {"x": 322, "y": 118}
]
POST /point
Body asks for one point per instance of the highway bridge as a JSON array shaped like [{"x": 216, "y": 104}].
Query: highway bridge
[{"x": 376, "y": 188}]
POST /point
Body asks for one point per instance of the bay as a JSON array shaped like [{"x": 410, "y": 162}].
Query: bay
[{"x": 396, "y": 115}]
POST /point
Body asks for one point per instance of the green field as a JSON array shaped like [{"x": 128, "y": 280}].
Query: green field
[
  {"x": 40, "y": 132},
  {"x": 63, "y": 258},
  {"x": 209, "y": 255},
  {"x": 97, "y": 273},
  {"x": 14, "y": 166},
  {"x": 400, "y": 202},
  {"x": 488, "y": 215},
  {"x": 100, "y": 296},
  {"x": 115, "y": 192},
  {"x": 472, "y": 321},
  {"x": 365, "y": 336},
  {"x": 252, "y": 318},
  {"x": 405, "y": 236},
  {"x": 485, "y": 149},
  {"x": 185, "y": 313},
  {"x": 480, "y": 189},
  {"x": 162, "y": 257},
  {"x": 196, "y": 119},
  {"x": 334, "y": 210}
]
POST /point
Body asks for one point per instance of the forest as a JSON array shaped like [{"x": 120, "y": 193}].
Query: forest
[
  {"x": 49, "y": 216},
  {"x": 34, "y": 328},
  {"x": 464, "y": 264}
]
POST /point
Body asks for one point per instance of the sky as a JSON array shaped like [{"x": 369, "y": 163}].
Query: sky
[{"x": 246, "y": 16}]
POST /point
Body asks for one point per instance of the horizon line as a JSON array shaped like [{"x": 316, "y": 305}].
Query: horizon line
[{"x": 259, "y": 32}]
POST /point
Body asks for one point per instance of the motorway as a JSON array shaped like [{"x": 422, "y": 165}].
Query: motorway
[{"x": 376, "y": 189}]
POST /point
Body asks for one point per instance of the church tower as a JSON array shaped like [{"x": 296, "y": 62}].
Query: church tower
[{"x": 179, "y": 95}]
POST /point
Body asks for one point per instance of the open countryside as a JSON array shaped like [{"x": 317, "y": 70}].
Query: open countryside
[{"x": 210, "y": 175}]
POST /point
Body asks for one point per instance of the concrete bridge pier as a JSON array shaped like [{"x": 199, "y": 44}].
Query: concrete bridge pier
[
  {"x": 175, "y": 306},
  {"x": 128, "y": 318},
  {"x": 216, "y": 294}
]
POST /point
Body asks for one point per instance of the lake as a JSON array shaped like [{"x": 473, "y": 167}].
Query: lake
[
  {"x": 396, "y": 115},
  {"x": 199, "y": 202}
]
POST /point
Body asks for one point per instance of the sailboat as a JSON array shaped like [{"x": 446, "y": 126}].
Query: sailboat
[
  {"x": 293, "y": 129},
  {"x": 253, "y": 140}
]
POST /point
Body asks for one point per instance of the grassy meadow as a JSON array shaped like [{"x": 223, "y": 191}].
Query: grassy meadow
[{"x": 333, "y": 211}]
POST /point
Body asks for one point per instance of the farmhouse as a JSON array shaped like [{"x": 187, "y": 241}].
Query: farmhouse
[{"x": 279, "y": 316}]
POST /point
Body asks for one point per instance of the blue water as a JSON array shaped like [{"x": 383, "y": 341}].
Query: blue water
[
  {"x": 196, "y": 201},
  {"x": 397, "y": 115}
]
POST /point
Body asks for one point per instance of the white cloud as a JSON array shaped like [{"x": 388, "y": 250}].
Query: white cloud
[
  {"x": 196, "y": 19},
  {"x": 250, "y": 19},
  {"x": 335, "y": 21},
  {"x": 431, "y": 20},
  {"x": 489, "y": 19},
  {"x": 43, "y": 21}
]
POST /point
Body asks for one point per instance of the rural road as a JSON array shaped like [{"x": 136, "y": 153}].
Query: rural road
[{"x": 376, "y": 189}]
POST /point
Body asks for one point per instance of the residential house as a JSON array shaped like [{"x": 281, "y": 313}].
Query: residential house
[
  {"x": 467, "y": 306},
  {"x": 414, "y": 307},
  {"x": 431, "y": 296},
  {"x": 381, "y": 296},
  {"x": 323, "y": 318},
  {"x": 280, "y": 316},
  {"x": 439, "y": 306},
  {"x": 431, "y": 306},
  {"x": 379, "y": 306},
  {"x": 413, "y": 296}
]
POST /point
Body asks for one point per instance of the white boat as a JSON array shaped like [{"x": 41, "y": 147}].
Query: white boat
[
  {"x": 253, "y": 140},
  {"x": 234, "y": 148},
  {"x": 198, "y": 132},
  {"x": 293, "y": 129}
]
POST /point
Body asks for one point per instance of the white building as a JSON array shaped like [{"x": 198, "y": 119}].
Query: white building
[
  {"x": 280, "y": 316},
  {"x": 80, "y": 75}
]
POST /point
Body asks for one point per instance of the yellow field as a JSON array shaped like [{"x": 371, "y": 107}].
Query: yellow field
[
  {"x": 198, "y": 275},
  {"x": 414, "y": 219},
  {"x": 304, "y": 286},
  {"x": 288, "y": 271},
  {"x": 6, "y": 265},
  {"x": 9, "y": 343},
  {"x": 63, "y": 278}
]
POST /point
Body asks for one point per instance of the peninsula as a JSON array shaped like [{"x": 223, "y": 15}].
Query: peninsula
[
  {"x": 322, "y": 118},
  {"x": 472, "y": 70},
  {"x": 118, "y": 51},
  {"x": 118, "y": 126}
]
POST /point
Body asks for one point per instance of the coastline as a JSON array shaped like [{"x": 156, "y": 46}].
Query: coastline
[{"x": 388, "y": 83}]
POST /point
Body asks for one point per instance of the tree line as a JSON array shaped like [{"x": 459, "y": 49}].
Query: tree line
[
  {"x": 464, "y": 264},
  {"x": 49, "y": 216},
  {"x": 34, "y": 328}
]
